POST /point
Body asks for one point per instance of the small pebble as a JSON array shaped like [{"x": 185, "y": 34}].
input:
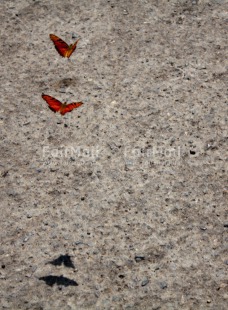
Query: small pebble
[
  {"x": 26, "y": 238},
  {"x": 145, "y": 281},
  {"x": 163, "y": 285},
  {"x": 74, "y": 35},
  {"x": 139, "y": 258},
  {"x": 78, "y": 242}
]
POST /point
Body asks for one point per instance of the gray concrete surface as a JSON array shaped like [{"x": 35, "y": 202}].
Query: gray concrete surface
[{"x": 132, "y": 185}]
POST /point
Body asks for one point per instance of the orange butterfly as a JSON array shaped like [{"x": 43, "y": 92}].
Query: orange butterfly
[
  {"x": 62, "y": 47},
  {"x": 57, "y": 106}
]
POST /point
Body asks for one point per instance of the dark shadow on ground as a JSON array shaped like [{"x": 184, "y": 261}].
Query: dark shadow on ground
[
  {"x": 58, "y": 280},
  {"x": 63, "y": 259}
]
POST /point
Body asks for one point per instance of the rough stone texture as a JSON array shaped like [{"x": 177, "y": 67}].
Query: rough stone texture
[{"x": 140, "y": 207}]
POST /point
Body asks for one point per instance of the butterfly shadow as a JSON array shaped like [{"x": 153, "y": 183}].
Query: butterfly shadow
[
  {"x": 58, "y": 280},
  {"x": 63, "y": 260}
]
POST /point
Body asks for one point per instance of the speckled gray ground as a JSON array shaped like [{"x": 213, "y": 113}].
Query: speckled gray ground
[{"x": 132, "y": 185}]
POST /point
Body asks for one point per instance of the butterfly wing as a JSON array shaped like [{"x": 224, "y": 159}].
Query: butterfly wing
[
  {"x": 61, "y": 46},
  {"x": 70, "y": 107},
  {"x": 72, "y": 48},
  {"x": 53, "y": 103}
]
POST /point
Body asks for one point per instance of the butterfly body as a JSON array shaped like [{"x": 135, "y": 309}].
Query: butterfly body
[
  {"x": 62, "y": 47},
  {"x": 57, "y": 106}
]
